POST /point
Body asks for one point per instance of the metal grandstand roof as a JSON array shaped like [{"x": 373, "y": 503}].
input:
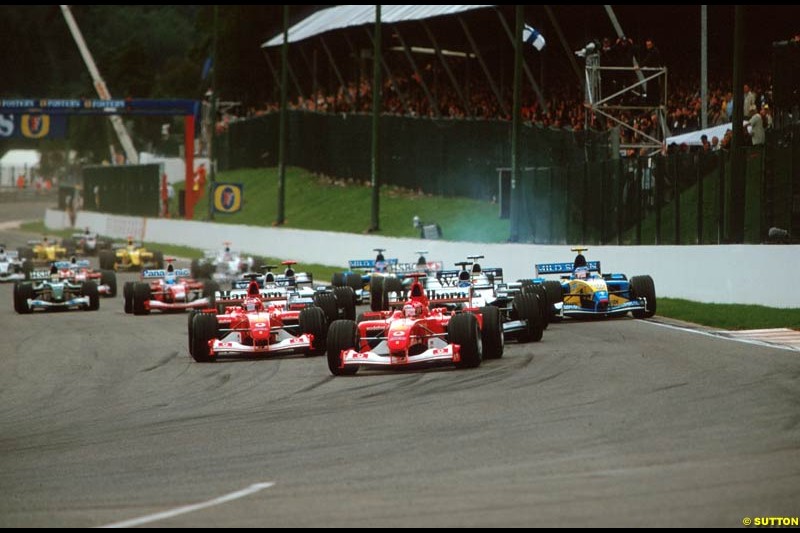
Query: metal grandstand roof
[{"x": 356, "y": 15}]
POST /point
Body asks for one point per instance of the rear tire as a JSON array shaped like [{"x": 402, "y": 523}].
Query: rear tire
[
  {"x": 312, "y": 320},
  {"x": 555, "y": 294},
  {"x": 210, "y": 289},
  {"x": 158, "y": 259},
  {"x": 378, "y": 299},
  {"x": 109, "y": 277},
  {"x": 644, "y": 287},
  {"x": 353, "y": 281},
  {"x": 492, "y": 333},
  {"x": 107, "y": 258},
  {"x": 545, "y": 309},
  {"x": 192, "y": 314},
  {"x": 463, "y": 330},
  {"x": 338, "y": 279},
  {"x": 342, "y": 335},
  {"x": 127, "y": 296},
  {"x": 90, "y": 289},
  {"x": 346, "y": 301},
  {"x": 327, "y": 302},
  {"x": 527, "y": 308}
]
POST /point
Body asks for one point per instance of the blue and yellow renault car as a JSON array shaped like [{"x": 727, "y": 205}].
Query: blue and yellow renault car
[{"x": 587, "y": 292}]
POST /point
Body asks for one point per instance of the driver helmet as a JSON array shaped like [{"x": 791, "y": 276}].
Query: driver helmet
[
  {"x": 412, "y": 309},
  {"x": 581, "y": 273},
  {"x": 170, "y": 277},
  {"x": 252, "y": 304}
]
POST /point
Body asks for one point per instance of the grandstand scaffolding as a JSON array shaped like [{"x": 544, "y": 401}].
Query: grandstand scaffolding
[{"x": 635, "y": 91}]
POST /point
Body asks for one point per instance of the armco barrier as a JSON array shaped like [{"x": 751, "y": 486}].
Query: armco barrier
[{"x": 743, "y": 274}]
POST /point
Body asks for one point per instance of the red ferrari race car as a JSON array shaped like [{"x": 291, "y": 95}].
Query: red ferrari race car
[
  {"x": 168, "y": 289},
  {"x": 252, "y": 325},
  {"x": 415, "y": 334}
]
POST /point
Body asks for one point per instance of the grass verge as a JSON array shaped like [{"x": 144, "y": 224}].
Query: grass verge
[{"x": 729, "y": 316}]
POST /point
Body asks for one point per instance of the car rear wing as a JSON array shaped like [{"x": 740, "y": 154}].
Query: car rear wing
[
  {"x": 430, "y": 266},
  {"x": 448, "y": 295},
  {"x": 12, "y": 254},
  {"x": 369, "y": 264},
  {"x": 40, "y": 274},
  {"x": 563, "y": 268},
  {"x": 83, "y": 263},
  {"x": 235, "y": 296},
  {"x": 162, "y": 273}
]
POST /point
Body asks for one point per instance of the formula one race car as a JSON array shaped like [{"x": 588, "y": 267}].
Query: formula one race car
[
  {"x": 12, "y": 268},
  {"x": 362, "y": 272},
  {"x": 48, "y": 292},
  {"x": 296, "y": 290},
  {"x": 43, "y": 251},
  {"x": 251, "y": 325},
  {"x": 415, "y": 334},
  {"x": 222, "y": 265},
  {"x": 523, "y": 313},
  {"x": 587, "y": 292},
  {"x": 168, "y": 290},
  {"x": 79, "y": 271},
  {"x": 86, "y": 243},
  {"x": 130, "y": 256}
]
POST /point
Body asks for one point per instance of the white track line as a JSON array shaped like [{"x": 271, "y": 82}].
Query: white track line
[
  {"x": 719, "y": 335},
  {"x": 252, "y": 489}
]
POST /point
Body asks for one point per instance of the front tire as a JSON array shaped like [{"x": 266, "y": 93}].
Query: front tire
[
  {"x": 463, "y": 330},
  {"x": 312, "y": 320},
  {"x": 204, "y": 329},
  {"x": 342, "y": 335},
  {"x": 141, "y": 294},
  {"x": 644, "y": 287}
]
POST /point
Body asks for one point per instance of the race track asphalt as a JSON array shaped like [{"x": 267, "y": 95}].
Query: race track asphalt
[{"x": 105, "y": 417}]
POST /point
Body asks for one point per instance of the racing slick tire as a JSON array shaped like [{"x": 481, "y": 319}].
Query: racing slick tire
[
  {"x": 25, "y": 254},
  {"x": 555, "y": 295},
  {"x": 22, "y": 292},
  {"x": 27, "y": 268},
  {"x": 109, "y": 277},
  {"x": 313, "y": 321},
  {"x": 70, "y": 246},
  {"x": 492, "y": 333},
  {"x": 338, "y": 279},
  {"x": 527, "y": 308},
  {"x": 342, "y": 335},
  {"x": 392, "y": 285},
  {"x": 327, "y": 302},
  {"x": 210, "y": 289},
  {"x": 346, "y": 301},
  {"x": 141, "y": 294},
  {"x": 463, "y": 330},
  {"x": 204, "y": 328},
  {"x": 158, "y": 259},
  {"x": 378, "y": 299},
  {"x": 90, "y": 289},
  {"x": 127, "y": 296},
  {"x": 544, "y": 303},
  {"x": 353, "y": 281},
  {"x": 644, "y": 287},
  {"x": 194, "y": 269},
  {"x": 107, "y": 258},
  {"x": 192, "y": 313}
]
